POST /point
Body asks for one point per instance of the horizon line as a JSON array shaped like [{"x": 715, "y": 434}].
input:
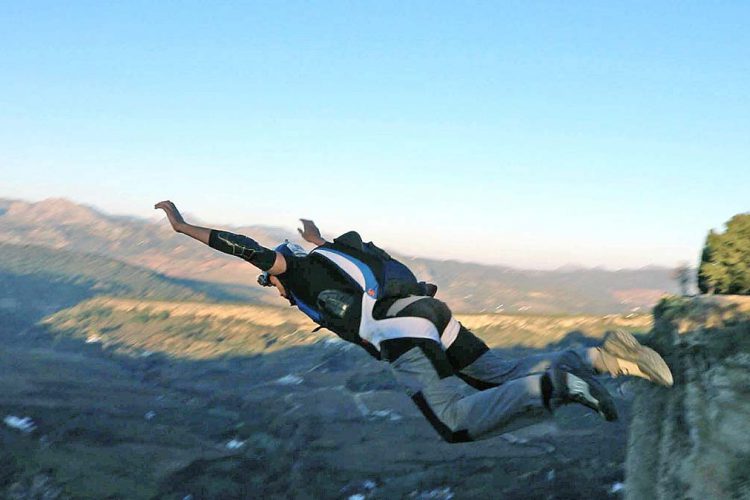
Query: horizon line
[{"x": 564, "y": 268}]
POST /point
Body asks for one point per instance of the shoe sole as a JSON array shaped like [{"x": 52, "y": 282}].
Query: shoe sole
[
  {"x": 623, "y": 345},
  {"x": 591, "y": 394}
]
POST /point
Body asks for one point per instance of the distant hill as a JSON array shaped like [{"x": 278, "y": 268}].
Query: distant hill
[
  {"x": 480, "y": 288},
  {"x": 467, "y": 287},
  {"x": 36, "y": 281},
  {"x": 62, "y": 224}
]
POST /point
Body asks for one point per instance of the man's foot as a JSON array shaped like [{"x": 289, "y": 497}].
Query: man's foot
[
  {"x": 621, "y": 354},
  {"x": 569, "y": 380}
]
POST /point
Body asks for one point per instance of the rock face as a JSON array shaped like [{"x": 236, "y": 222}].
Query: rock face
[{"x": 693, "y": 440}]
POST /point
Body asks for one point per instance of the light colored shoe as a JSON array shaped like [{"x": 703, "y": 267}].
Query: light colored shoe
[{"x": 632, "y": 358}]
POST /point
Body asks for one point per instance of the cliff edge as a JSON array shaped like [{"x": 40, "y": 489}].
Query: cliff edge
[{"x": 693, "y": 440}]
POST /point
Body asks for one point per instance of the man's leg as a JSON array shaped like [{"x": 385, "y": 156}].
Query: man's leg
[
  {"x": 457, "y": 411},
  {"x": 483, "y": 368},
  {"x": 469, "y": 356},
  {"x": 619, "y": 354}
]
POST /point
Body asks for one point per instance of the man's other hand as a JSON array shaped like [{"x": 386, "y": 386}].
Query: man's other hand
[
  {"x": 174, "y": 216},
  {"x": 310, "y": 232}
]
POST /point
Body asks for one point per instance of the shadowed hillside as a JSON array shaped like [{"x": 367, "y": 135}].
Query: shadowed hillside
[
  {"x": 36, "y": 281},
  {"x": 143, "y": 399}
]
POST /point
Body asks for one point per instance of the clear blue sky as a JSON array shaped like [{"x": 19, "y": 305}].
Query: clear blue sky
[{"x": 535, "y": 134}]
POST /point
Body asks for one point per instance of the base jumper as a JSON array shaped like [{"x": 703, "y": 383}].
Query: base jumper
[{"x": 466, "y": 391}]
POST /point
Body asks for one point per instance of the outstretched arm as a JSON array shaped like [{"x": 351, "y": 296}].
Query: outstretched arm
[{"x": 224, "y": 241}]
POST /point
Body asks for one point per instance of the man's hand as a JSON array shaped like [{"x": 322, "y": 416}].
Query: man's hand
[
  {"x": 174, "y": 216},
  {"x": 311, "y": 233}
]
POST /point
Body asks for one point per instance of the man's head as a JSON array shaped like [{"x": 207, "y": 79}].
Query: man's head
[
  {"x": 274, "y": 281},
  {"x": 266, "y": 279}
]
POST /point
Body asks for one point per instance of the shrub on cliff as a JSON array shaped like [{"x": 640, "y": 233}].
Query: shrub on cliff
[{"x": 725, "y": 263}]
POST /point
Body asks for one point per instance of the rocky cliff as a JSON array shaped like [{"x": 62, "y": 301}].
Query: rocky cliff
[{"x": 693, "y": 440}]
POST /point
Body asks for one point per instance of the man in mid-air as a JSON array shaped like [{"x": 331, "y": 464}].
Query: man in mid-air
[{"x": 465, "y": 390}]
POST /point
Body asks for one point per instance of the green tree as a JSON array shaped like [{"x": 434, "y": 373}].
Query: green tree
[{"x": 725, "y": 262}]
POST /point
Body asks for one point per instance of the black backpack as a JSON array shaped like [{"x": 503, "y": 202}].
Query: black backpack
[{"x": 394, "y": 278}]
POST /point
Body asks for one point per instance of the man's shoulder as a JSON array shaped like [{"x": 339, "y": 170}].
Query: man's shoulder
[{"x": 307, "y": 262}]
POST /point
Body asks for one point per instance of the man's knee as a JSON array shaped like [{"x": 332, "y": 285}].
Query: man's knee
[
  {"x": 392, "y": 349},
  {"x": 422, "y": 367},
  {"x": 448, "y": 428}
]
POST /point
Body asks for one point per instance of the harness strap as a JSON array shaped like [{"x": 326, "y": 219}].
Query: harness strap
[
  {"x": 311, "y": 312},
  {"x": 354, "y": 268},
  {"x": 401, "y": 304}
]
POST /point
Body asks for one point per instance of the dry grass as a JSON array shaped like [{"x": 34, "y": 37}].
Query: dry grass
[{"x": 199, "y": 330}]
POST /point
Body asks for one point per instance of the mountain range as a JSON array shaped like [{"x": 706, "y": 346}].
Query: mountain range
[{"x": 63, "y": 225}]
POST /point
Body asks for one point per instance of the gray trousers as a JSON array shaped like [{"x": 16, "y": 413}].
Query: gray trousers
[
  {"x": 466, "y": 391},
  {"x": 458, "y": 411}
]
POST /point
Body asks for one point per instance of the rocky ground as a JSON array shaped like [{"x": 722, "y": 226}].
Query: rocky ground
[{"x": 310, "y": 421}]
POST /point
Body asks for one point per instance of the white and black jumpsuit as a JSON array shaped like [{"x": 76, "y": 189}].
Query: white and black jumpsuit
[{"x": 465, "y": 390}]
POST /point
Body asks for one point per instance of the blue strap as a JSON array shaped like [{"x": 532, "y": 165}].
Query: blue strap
[{"x": 311, "y": 312}]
